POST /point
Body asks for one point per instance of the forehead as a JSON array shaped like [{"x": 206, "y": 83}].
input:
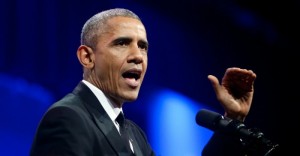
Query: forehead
[
  {"x": 125, "y": 24},
  {"x": 122, "y": 27}
]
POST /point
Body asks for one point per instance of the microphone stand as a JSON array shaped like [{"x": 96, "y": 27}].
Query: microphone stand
[{"x": 254, "y": 141}]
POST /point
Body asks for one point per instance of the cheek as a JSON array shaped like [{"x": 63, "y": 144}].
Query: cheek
[
  {"x": 107, "y": 76},
  {"x": 145, "y": 64},
  {"x": 111, "y": 70}
]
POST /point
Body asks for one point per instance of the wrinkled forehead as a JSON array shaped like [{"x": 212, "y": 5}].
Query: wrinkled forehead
[
  {"x": 121, "y": 21},
  {"x": 125, "y": 27}
]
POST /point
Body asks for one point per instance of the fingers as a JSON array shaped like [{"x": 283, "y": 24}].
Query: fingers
[{"x": 238, "y": 81}]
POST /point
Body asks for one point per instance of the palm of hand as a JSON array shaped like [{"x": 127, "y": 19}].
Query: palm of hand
[{"x": 237, "y": 92}]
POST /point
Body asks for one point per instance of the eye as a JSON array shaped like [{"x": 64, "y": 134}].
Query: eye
[
  {"x": 143, "y": 45},
  {"x": 122, "y": 42}
]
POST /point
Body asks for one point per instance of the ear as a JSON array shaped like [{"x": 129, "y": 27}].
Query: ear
[{"x": 85, "y": 56}]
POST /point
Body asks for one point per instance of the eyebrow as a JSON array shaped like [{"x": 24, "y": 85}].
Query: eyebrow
[
  {"x": 146, "y": 43},
  {"x": 128, "y": 39}
]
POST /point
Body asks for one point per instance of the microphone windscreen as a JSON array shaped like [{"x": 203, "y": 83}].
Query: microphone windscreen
[{"x": 208, "y": 119}]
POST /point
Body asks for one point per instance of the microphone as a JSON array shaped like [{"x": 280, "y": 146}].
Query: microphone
[
  {"x": 216, "y": 122},
  {"x": 251, "y": 138}
]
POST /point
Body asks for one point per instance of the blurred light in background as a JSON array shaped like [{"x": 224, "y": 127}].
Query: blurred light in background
[
  {"x": 22, "y": 106},
  {"x": 172, "y": 126}
]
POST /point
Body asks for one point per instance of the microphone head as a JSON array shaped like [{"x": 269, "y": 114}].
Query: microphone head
[{"x": 208, "y": 119}]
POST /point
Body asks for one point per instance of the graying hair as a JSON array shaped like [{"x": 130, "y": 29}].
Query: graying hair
[{"x": 92, "y": 28}]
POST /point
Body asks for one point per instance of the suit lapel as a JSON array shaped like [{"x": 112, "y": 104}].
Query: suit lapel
[
  {"x": 136, "y": 147},
  {"x": 101, "y": 118},
  {"x": 109, "y": 130}
]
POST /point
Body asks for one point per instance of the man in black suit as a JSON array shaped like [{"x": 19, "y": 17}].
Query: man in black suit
[{"x": 113, "y": 53}]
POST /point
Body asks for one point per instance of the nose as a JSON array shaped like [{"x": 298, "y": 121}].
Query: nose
[{"x": 136, "y": 55}]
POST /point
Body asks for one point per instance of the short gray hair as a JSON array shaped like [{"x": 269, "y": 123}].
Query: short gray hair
[{"x": 91, "y": 29}]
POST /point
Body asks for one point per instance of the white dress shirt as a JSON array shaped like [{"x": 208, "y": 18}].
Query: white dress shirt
[{"x": 108, "y": 106}]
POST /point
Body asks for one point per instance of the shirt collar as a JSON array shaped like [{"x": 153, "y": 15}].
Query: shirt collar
[{"x": 106, "y": 103}]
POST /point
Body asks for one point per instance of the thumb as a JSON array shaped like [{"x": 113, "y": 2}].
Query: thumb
[{"x": 214, "y": 82}]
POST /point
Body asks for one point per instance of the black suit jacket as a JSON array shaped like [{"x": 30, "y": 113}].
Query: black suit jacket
[{"x": 77, "y": 125}]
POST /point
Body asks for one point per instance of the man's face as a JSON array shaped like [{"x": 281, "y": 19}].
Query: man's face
[{"x": 121, "y": 59}]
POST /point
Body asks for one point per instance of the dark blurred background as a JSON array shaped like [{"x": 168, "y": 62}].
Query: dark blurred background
[{"x": 188, "y": 40}]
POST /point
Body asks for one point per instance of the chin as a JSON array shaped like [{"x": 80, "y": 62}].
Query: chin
[{"x": 130, "y": 98}]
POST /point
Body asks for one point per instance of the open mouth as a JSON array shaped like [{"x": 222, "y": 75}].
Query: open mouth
[{"x": 132, "y": 74}]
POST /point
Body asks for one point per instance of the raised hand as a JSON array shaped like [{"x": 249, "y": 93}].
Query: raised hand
[{"x": 235, "y": 93}]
